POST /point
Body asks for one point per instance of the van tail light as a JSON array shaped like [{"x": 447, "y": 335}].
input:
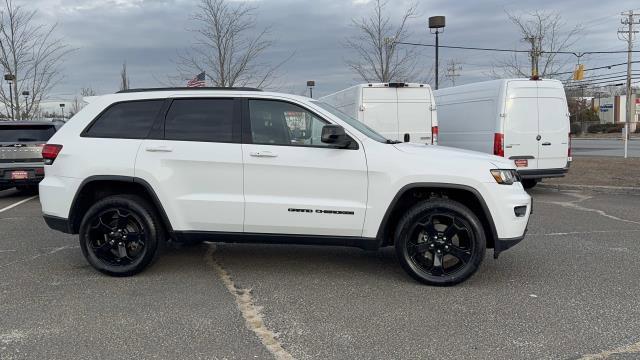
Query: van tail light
[
  {"x": 498, "y": 144},
  {"x": 50, "y": 153},
  {"x": 569, "y": 158},
  {"x": 434, "y": 135}
]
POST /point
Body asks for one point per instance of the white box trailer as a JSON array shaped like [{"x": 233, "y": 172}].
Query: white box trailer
[
  {"x": 524, "y": 120},
  {"x": 392, "y": 109}
]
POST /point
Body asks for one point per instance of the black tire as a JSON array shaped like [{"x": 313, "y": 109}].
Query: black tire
[
  {"x": 426, "y": 233},
  {"x": 120, "y": 235},
  {"x": 529, "y": 183}
]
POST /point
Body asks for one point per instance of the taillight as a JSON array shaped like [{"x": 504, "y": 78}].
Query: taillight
[
  {"x": 498, "y": 144},
  {"x": 434, "y": 135},
  {"x": 50, "y": 153},
  {"x": 569, "y": 158}
]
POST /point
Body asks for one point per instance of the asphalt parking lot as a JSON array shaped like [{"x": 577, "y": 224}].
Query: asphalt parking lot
[{"x": 571, "y": 290}]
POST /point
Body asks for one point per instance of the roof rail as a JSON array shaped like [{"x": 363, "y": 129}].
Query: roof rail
[{"x": 188, "y": 89}]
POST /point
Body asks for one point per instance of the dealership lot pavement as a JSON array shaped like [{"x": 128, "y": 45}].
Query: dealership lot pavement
[
  {"x": 571, "y": 289},
  {"x": 605, "y": 147}
]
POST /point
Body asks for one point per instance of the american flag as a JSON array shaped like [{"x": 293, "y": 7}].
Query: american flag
[{"x": 197, "y": 81}]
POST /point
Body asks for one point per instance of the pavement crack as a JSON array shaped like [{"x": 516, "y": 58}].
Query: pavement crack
[
  {"x": 576, "y": 206},
  {"x": 627, "y": 349},
  {"x": 251, "y": 313}
]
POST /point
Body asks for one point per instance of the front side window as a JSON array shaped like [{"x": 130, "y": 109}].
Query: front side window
[
  {"x": 200, "y": 120},
  {"x": 126, "y": 120},
  {"x": 281, "y": 123}
]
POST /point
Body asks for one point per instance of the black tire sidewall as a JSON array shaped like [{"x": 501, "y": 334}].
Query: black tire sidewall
[
  {"x": 151, "y": 226},
  {"x": 420, "y": 210}
]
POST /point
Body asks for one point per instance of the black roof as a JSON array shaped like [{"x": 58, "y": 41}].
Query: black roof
[{"x": 188, "y": 89}]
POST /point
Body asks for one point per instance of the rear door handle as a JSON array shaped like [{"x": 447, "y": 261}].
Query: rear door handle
[
  {"x": 546, "y": 143},
  {"x": 263, "y": 154},
  {"x": 160, "y": 148}
]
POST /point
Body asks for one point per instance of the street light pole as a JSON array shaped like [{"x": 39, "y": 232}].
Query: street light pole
[
  {"x": 26, "y": 98},
  {"x": 62, "y": 109},
  {"x": 10, "y": 78},
  {"x": 436, "y": 23},
  {"x": 310, "y": 85}
]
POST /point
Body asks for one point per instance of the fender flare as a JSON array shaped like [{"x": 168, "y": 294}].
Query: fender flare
[{"x": 444, "y": 186}]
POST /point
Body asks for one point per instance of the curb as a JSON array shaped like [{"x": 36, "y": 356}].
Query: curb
[{"x": 629, "y": 190}]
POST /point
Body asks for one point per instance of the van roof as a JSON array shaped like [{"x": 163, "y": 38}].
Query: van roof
[{"x": 499, "y": 83}]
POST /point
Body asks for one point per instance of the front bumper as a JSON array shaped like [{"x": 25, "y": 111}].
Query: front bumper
[
  {"x": 502, "y": 201},
  {"x": 543, "y": 173}
]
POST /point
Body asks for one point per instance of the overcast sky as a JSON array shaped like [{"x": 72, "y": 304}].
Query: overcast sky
[{"x": 148, "y": 34}]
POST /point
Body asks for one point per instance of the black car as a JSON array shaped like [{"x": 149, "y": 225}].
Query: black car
[{"x": 21, "y": 163}]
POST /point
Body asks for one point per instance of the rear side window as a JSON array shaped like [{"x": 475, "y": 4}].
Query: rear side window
[
  {"x": 200, "y": 120},
  {"x": 26, "y": 133},
  {"x": 127, "y": 120}
]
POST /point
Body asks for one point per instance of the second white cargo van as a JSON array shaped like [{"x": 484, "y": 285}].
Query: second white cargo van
[
  {"x": 523, "y": 120},
  {"x": 396, "y": 110}
]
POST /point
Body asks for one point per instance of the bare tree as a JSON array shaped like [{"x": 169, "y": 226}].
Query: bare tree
[
  {"x": 377, "y": 56},
  {"x": 78, "y": 102},
  {"x": 228, "y": 46},
  {"x": 545, "y": 33},
  {"x": 32, "y": 54},
  {"x": 124, "y": 78}
]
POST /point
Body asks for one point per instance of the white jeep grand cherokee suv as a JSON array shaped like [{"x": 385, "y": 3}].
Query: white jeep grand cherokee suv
[{"x": 136, "y": 168}]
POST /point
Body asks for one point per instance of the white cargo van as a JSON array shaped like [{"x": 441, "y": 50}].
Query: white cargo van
[
  {"x": 523, "y": 120},
  {"x": 392, "y": 109}
]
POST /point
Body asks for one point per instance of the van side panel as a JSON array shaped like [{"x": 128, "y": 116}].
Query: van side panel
[{"x": 469, "y": 115}]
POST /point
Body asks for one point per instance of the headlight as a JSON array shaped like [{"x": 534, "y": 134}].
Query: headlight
[{"x": 505, "y": 176}]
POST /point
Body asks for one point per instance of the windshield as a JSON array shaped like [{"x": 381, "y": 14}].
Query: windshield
[
  {"x": 351, "y": 121},
  {"x": 26, "y": 133}
]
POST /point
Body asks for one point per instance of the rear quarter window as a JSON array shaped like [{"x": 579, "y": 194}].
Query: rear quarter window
[{"x": 126, "y": 120}]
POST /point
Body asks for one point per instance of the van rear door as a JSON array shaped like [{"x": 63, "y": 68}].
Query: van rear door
[
  {"x": 520, "y": 123},
  {"x": 553, "y": 123},
  {"x": 380, "y": 110},
  {"x": 414, "y": 114}
]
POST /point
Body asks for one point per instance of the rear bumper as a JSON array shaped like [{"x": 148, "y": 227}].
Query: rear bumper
[
  {"x": 57, "y": 223},
  {"x": 543, "y": 173},
  {"x": 35, "y": 172}
]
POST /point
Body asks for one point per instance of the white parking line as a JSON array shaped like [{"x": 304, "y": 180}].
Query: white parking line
[{"x": 18, "y": 203}]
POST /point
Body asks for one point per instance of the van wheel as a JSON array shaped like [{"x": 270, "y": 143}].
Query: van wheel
[
  {"x": 120, "y": 235},
  {"x": 440, "y": 242},
  {"x": 529, "y": 183}
]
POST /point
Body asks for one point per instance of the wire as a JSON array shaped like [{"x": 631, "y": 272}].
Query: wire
[
  {"x": 624, "y": 76},
  {"x": 595, "y": 68},
  {"x": 575, "y": 53}
]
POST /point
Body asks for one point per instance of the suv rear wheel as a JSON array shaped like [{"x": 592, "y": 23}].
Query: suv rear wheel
[
  {"x": 440, "y": 242},
  {"x": 120, "y": 235}
]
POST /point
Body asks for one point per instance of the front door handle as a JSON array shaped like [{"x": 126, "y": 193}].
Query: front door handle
[
  {"x": 546, "y": 143},
  {"x": 263, "y": 154},
  {"x": 160, "y": 148}
]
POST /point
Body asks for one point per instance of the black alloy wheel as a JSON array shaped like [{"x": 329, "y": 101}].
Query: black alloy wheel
[
  {"x": 120, "y": 234},
  {"x": 440, "y": 242}
]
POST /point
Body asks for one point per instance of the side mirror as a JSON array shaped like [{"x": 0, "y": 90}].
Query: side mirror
[{"x": 335, "y": 135}]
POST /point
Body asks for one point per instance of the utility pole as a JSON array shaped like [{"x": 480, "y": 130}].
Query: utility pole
[
  {"x": 628, "y": 36},
  {"x": 452, "y": 71},
  {"x": 536, "y": 44}
]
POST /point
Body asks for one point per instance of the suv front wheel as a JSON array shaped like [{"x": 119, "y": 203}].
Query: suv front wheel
[
  {"x": 440, "y": 242},
  {"x": 120, "y": 235}
]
